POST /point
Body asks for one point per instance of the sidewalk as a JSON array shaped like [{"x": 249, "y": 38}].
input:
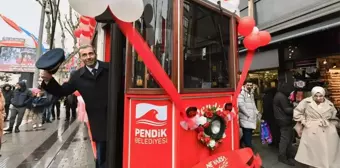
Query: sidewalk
[
  {"x": 59, "y": 143},
  {"x": 269, "y": 155}
]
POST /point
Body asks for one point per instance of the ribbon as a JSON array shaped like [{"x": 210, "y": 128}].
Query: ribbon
[
  {"x": 246, "y": 66},
  {"x": 153, "y": 66}
]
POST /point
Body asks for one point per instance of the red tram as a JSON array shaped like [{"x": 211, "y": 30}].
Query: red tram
[{"x": 195, "y": 43}]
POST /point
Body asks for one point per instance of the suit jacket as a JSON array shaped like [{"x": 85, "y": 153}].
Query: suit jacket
[{"x": 93, "y": 89}]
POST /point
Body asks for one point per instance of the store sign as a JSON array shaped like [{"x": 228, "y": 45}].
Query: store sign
[{"x": 150, "y": 134}]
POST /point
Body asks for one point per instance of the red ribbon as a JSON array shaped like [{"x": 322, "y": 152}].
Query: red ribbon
[
  {"x": 153, "y": 65},
  {"x": 246, "y": 66}
]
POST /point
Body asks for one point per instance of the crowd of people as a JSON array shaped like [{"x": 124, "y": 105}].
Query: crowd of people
[
  {"x": 91, "y": 81},
  {"x": 36, "y": 103},
  {"x": 312, "y": 124}
]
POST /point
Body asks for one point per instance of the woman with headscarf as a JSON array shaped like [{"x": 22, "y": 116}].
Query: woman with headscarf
[{"x": 316, "y": 125}]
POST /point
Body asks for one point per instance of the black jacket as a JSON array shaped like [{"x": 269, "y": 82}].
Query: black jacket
[
  {"x": 8, "y": 94},
  {"x": 268, "y": 111},
  {"x": 71, "y": 101},
  {"x": 21, "y": 97},
  {"x": 283, "y": 109},
  {"x": 94, "y": 91}
]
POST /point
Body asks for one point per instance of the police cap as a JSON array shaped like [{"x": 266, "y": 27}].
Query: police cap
[{"x": 51, "y": 60}]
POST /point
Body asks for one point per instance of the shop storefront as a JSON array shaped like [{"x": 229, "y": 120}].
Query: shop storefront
[
  {"x": 263, "y": 72},
  {"x": 313, "y": 60},
  {"x": 263, "y": 79},
  {"x": 330, "y": 73}
]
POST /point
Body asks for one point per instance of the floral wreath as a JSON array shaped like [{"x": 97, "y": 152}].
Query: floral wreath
[{"x": 210, "y": 123}]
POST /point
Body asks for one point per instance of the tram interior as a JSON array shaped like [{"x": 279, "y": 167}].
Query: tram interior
[{"x": 204, "y": 46}]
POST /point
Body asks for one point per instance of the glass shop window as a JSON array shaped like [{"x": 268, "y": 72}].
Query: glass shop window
[
  {"x": 156, "y": 27},
  {"x": 206, "y": 47}
]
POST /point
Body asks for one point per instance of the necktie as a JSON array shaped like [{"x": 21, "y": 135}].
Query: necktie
[{"x": 94, "y": 72}]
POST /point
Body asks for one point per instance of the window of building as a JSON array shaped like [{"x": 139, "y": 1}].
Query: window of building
[
  {"x": 206, "y": 47},
  {"x": 156, "y": 27}
]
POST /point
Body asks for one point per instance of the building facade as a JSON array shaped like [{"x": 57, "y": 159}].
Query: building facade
[{"x": 305, "y": 46}]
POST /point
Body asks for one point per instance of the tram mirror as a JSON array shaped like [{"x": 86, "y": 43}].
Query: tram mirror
[
  {"x": 206, "y": 46},
  {"x": 148, "y": 13}
]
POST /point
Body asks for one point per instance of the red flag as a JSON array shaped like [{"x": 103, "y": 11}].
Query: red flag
[{"x": 11, "y": 23}]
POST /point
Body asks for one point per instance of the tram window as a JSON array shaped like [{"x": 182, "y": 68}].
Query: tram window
[
  {"x": 206, "y": 47},
  {"x": 156, "y": 27}
]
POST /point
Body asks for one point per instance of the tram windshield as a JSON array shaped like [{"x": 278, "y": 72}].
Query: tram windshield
[{"x": 206, "y": 47}]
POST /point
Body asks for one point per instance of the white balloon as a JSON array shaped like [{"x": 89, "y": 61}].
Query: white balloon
[
  {"x": 236, "y": 3},
  {"x": 127, "y": 10},
  {"x": 91, "y": 8},
  {"x": 255, "y": 30},
  {"x": 230, "y": 7}
]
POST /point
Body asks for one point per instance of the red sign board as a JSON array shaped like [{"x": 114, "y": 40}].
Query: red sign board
[
  {"x": 242, "y": 158},
  {"x": 150, "y": 134}
]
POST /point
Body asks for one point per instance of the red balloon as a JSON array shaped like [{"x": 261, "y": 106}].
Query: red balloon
[
  {"x": 246, "y": 25},
  {"x": 252, "y": 42},
  {"x": 265, "y": 38},
  {"x": 86, "y": 33},
  {"x": 93, "y": 22},
  {"x": 84, "y": 20},
  {"x": 77, "y": 33},
  {"x": 91, "y": 29}
]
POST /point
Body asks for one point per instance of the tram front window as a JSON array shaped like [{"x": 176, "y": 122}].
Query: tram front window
[
  {"x": 206, "y": 47},
  {"x": 156, "y": 27}
]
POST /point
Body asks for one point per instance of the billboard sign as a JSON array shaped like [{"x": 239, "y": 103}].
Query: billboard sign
[{"x": 17, "y": 59}]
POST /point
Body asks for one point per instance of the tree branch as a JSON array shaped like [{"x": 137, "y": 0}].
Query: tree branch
[
  {"x": 41, "y": 3},
  {"x": 52, "y": 8},
  {"x": 68, "y": 30},
  {"x": 62, "y": 32}
]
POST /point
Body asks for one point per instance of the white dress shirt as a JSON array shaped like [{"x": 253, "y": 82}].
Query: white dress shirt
[{"x": 95, "y": 67}]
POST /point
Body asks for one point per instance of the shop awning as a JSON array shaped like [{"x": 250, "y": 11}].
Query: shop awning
[
  {"x": 262, "y": 60},
  {"x": 322, "y": 26}
]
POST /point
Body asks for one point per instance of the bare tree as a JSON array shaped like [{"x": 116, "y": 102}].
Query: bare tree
[
  {"x": 62, "y": 32},
  {"x": 52, "y": 16},
  {"x": 48, "y": 29},
  {"x": 71, "y": 23}
]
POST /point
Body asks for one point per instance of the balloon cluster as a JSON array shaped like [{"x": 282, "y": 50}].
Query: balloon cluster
[
  {"x": 253, "y": 37},
  {"x": 124, "y": 10},
  {"x": 85, "y": 30}
]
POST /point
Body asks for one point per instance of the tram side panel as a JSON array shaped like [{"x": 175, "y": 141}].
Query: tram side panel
[
  {"x": 149, "y": 132},
  {"x": 190, "y": 150},
  {"x": 153, "y": 136}
]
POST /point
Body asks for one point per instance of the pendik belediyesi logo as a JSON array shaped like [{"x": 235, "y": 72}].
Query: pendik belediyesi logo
[{"x": 150, "y": 122}]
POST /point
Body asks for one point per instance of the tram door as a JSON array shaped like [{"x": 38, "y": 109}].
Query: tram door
[{"x": 116, "y": 90}]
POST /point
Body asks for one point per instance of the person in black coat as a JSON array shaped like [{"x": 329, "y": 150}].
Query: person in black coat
[
  {"x": 268, "y": 115},
  {"x": 283, "y": 112},
  {"x": 55, "y": 105},
  {"x": 92, "y": 83},
  {"x": 71, "y": 103},
  {"x": 21, "y": 99},
  {"x": 8, "y": 94}
]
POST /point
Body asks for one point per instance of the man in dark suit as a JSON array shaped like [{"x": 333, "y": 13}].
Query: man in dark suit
[{"x": 92, "y": 83}]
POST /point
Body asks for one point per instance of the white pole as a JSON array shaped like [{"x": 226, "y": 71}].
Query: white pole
[{"x": 39, "y": 48}]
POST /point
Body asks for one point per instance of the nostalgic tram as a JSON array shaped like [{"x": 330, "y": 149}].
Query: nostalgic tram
[{"x": 195, "y": 43}]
